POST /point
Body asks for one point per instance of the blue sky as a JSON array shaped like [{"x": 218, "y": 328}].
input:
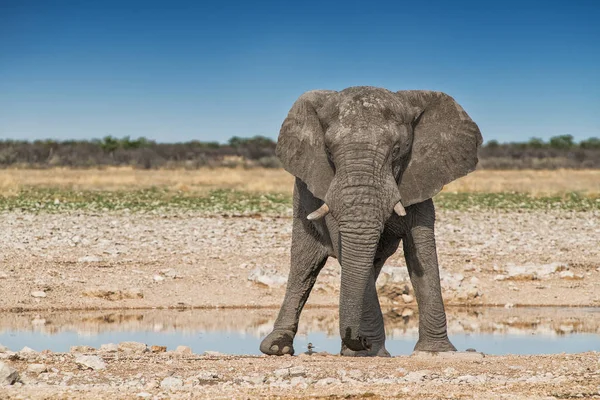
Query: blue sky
[{"x": 183, "y": 70}]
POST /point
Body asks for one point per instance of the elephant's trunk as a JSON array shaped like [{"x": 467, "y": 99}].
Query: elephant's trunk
[{"x": 358, "y": 247}]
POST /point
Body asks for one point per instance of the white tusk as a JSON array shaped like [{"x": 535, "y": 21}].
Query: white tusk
[
  {"x": 399, "y": 209},
  {"x": 319, "y": 213}
]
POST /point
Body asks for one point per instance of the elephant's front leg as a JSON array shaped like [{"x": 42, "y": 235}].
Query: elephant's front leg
[
  {"x": 308, "y": 258},
  {"x": 421, "y": 258}
]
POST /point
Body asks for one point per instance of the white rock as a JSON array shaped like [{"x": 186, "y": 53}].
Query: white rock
[
  {"x": 268, "y": 278},
  {"x": 90, "y": 362},
  {"x": 109, "y": 348},
  {"x": 390, "y": 274},
  {"x": 158, "y": 278},
  {"x": 416, "y": 376},
  {"x": 255, "y": 380},
  {"x": 27, "y": 350},
  {"x": 37, "y": 368},
  {"x": 38, "y": 294},
  {"x": 407, "y": 298},
  {"x": 183, "y": 350},
  {"x": 474, "y": 281},
  {"x": 328, "y": 381},
  {"x": 133, "y": 347},
  {"x": 171, "y": 383},
  {"x": 8, "y": 375},
  {"x": 144, "y": 395},
  {"x": 212, "y": 353},
  {"x": 299, "y": 382},
  {"x": 89, "y": 259}
]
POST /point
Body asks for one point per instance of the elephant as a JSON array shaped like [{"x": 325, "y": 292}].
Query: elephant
[{"x": 367, "y": 162}]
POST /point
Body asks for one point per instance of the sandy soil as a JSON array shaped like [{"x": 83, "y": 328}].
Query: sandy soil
[{"x": 124, "y": 261}]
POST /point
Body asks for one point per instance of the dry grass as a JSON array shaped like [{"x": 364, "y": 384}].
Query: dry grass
[
  {"x": 534, "y": 182},
  {"x": 278, "y": 181},
  {"x": 112, "y": 179}
]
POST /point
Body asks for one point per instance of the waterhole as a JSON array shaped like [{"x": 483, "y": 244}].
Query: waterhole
[{"x": 239, "y": 331}]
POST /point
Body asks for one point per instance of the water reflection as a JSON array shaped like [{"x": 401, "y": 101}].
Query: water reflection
[{"x": 240, "y": 330}]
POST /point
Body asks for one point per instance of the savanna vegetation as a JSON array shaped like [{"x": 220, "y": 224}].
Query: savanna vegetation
[{"x": 558, "y": 152}]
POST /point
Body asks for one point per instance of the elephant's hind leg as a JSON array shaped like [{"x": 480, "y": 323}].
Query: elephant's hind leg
[{"x": 308, "y": 258}]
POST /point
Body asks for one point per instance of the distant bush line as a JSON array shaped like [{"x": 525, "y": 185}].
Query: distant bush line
[{"x": 558, "y": 152}]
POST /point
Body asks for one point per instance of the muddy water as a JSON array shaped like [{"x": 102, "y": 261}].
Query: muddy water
[{"x": 239, "y": 331}]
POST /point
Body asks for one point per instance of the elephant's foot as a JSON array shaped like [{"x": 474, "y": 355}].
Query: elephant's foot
[
  {"x": 278, "y": 343},
  {"x": 434, "y": 345},
  {"x": 376, "y": 350}
]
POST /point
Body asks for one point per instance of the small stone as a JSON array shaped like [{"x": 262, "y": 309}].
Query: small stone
[
  {"x": 212, "y": 353},
  {"x": 569, "y": 275},
  {"x": 144, "y": 395},
  {"x": 109, "y": 348},
  {"x": 297, "y": 371},
  {"x": 328, "y": 381},
  {"x": 417, "y": 376},
  {"x": 509, "y": 305},
  {"x": 267, "y": 277},
  {"x": 255, "y": 380},
  {"x": 158, "y": 278},
  {"x": 82, "y": 349},
  {"x": 38, "y": 294},
  {"x": 299, "y": 382},
  {"x": 8, "y": 375},
  {"x": 89, "y": 259},
  {"x": 407, "y": 312},
  {"x": 407, "y": 298},
  {"x": 184, "y": 350},
  {"x": 37, "y": 368},
  {"x": 133, "y": 347},
  {"x": 90, "y": 362},
  {"x": 158, "y": 349},
  {"x": 450, "y": 371},
  {"x": 171, "y": 383},
  {"x": 474, "y": 280},
  {"x": 27, "y": 350},
  {"x": 208, "y": 376}
]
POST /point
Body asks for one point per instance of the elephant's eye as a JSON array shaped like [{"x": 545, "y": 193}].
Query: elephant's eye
[{"x": 396, "y": 151}]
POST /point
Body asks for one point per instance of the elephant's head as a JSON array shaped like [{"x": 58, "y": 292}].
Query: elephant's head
[{"x": 366, "y": 153}]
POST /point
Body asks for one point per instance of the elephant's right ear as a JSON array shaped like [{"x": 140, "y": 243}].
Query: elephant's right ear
[{"x": 301, "y": 143}]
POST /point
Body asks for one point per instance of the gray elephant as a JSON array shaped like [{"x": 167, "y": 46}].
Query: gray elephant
[{"x": 367, "y": 162}]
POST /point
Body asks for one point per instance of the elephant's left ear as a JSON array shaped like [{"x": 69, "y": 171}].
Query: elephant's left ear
[{"x": 444, "y": 147}]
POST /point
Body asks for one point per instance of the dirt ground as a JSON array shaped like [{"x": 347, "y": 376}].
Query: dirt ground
[{"x": 123, "y": 261}]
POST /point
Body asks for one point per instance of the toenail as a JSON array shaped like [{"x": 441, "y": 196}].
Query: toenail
[
  {"x": 286, "y": 349},
  {"x": 274, "y": 348}
]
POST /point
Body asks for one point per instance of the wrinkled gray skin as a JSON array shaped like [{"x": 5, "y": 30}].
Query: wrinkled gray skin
[{"x": 361, "y": 151}]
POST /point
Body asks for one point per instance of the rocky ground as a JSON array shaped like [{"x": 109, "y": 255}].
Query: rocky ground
[
  {"x": 121, "y": 260},
  {"x": 132, "y": 370}
]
